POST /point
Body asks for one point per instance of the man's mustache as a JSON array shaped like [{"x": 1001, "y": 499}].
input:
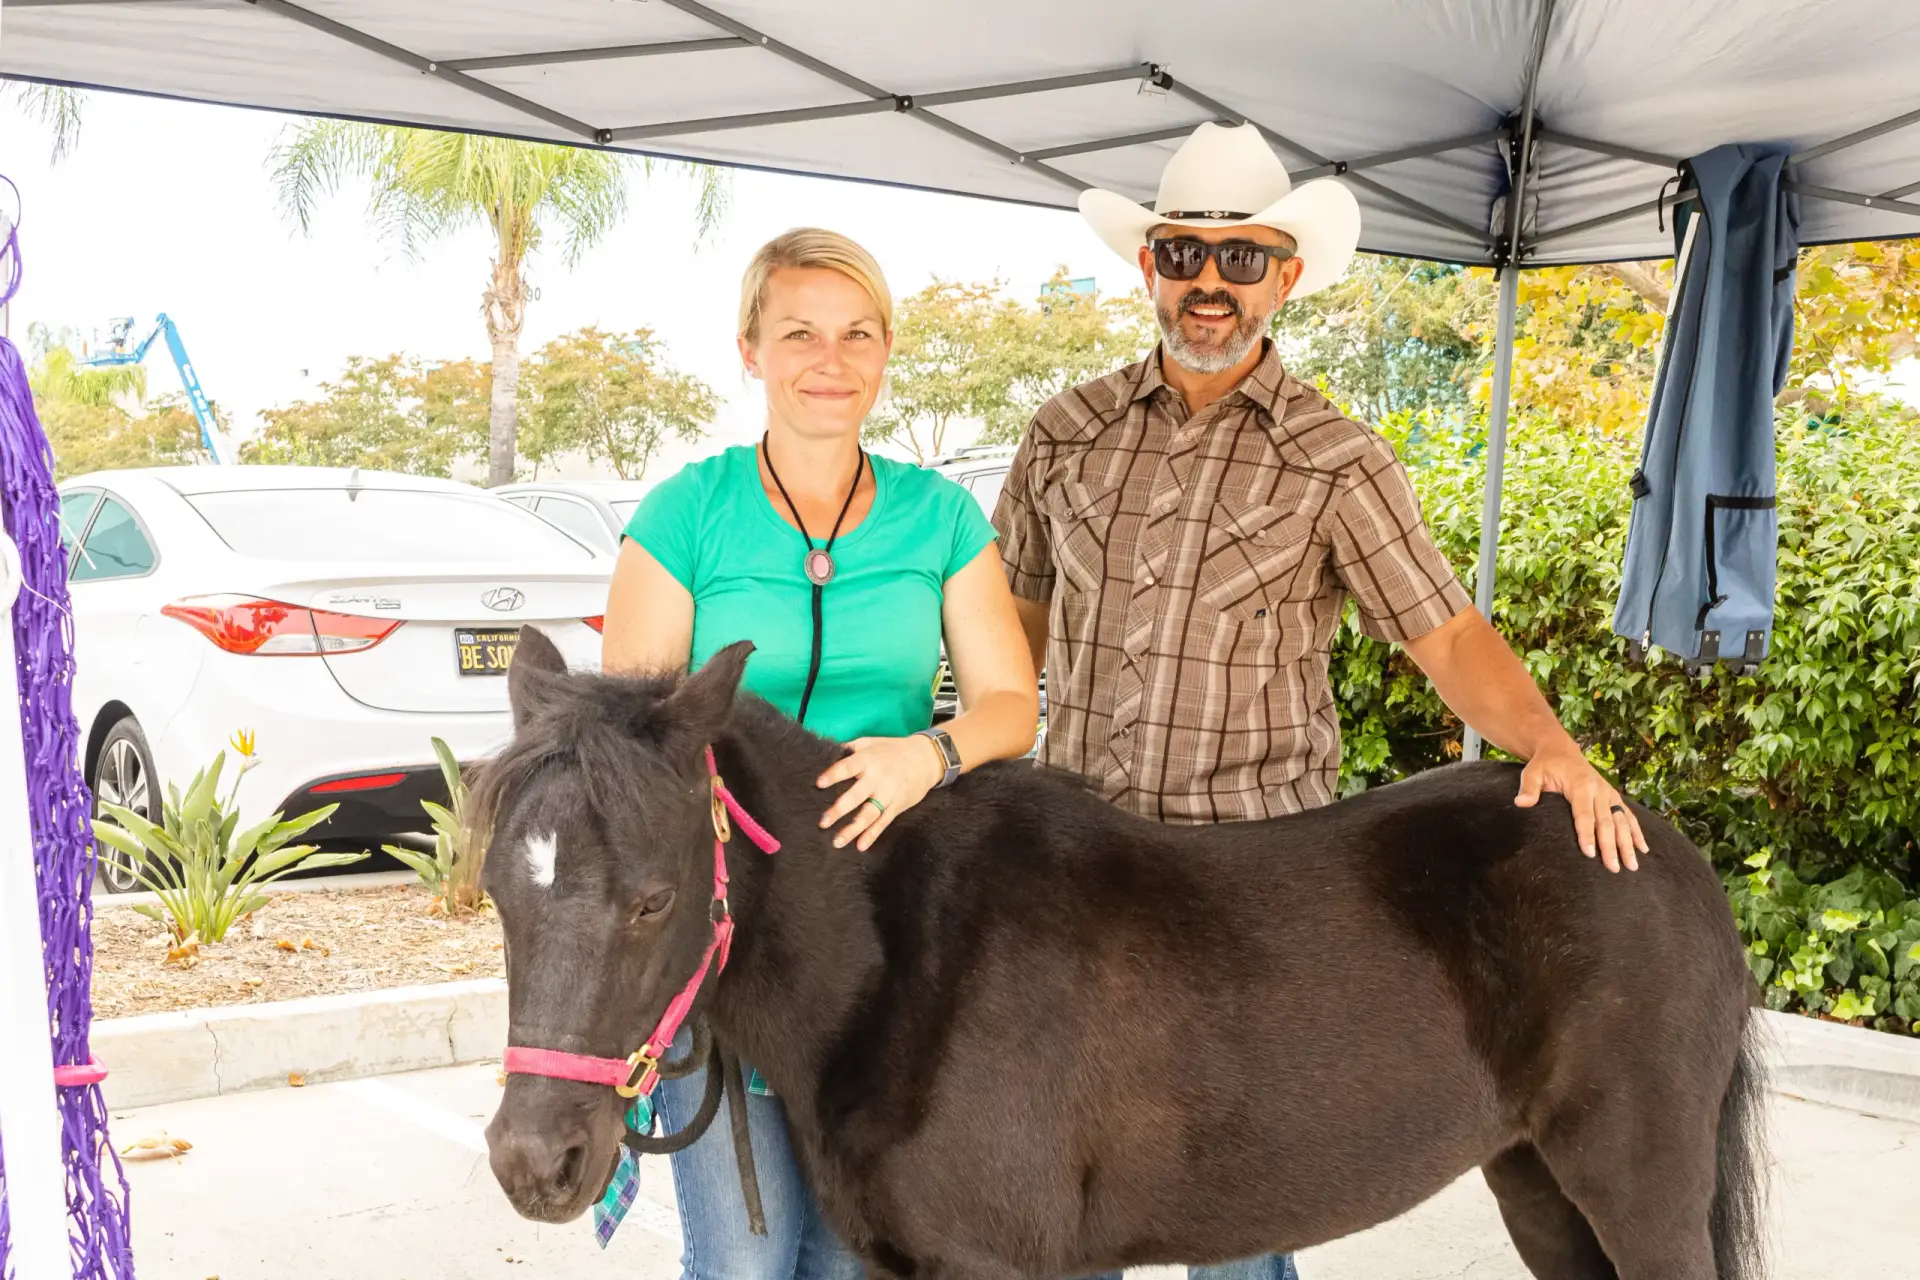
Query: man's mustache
[{"x": 1218, "y": 298}]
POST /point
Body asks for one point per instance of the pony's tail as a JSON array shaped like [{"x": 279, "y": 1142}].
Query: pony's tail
[{"x": 1740, "y": 1187}]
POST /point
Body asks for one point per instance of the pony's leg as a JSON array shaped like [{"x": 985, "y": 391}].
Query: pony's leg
[
  {"x": 1550, "y": 1233},
  {"x": 1644, "y": 1179}
]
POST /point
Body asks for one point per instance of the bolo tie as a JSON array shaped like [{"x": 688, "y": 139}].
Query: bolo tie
[{"x": 818, "y": 563}]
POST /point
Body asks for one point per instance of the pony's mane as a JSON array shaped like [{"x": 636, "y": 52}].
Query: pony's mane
[
  {"x": 589, "y": 720},
  {"x": 593, "y": 722}
]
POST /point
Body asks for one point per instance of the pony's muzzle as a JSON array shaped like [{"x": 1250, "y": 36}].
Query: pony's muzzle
[{"x": 550, "y": 1166}]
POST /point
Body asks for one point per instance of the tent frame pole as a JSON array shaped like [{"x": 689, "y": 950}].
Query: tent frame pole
[
  {"x": 559, "y": 57},
  {"x": 1853, "y": 197},
  {"x": 1520, "y": 167},
  {"x": 427, "y": 66},
  {"x": 1425, "y": 212},
  {"x": 1496, "y": 455},
  {"x": 1854, "y": 139},
  {"x": 877, "y": 105}
]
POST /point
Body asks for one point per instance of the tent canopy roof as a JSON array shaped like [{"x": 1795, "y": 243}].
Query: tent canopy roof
[{"x": 1002, "y": 98}]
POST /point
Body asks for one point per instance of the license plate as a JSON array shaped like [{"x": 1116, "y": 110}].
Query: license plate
[{"x": 485, "y": 653}]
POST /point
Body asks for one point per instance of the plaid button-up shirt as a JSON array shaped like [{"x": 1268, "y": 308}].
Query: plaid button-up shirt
[{"x": 1196, "y": 569}]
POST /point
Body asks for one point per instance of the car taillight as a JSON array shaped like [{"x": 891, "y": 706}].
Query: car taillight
[
  {"x": 269, "y": 628},
  {"x": 598, "y": 622},
  {"x": 364, "y": 782}
]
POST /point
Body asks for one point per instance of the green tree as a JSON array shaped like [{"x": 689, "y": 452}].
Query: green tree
[
  {"x": 97, "y": 419},
  {"x": 425, "y": 185},
  {"x": 614, "y": 396},
  {"x": 389, "y": 414},
  {"x": 941, "y": 368},
  {"x": 1063, "y": 339},
  {"x": 1396, "y": 335},
  {"x": 964, "y": 352}
]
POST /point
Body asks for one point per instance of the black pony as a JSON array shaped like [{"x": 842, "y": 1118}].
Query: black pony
[{"x": 1031, "y": 1035}]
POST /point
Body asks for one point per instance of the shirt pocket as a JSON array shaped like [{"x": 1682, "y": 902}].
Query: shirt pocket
[
  {"x": 1082, "y": 518},
  {"x": 1253, "y": 558}
]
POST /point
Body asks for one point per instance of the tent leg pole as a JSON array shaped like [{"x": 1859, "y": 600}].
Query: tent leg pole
[{"x": 1496, "y": 462}]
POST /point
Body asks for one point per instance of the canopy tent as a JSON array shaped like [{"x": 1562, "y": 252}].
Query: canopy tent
[
  {"x": 1434, "y": 112},
  {"x": 1027, "y": 101}
]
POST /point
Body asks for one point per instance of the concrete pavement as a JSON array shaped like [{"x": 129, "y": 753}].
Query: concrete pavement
[{"x": 386, "y": 1179}]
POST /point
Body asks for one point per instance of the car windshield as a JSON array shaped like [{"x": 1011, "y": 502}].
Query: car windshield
[
  {"x": 379, "y": 524},
  {"x": 624, "y": 508}
]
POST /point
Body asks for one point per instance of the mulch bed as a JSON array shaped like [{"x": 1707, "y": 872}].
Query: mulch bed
[{"x": 299, "y": 944}]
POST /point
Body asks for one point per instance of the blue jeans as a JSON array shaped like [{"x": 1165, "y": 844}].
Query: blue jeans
[
  {"x": 716, "y": 1244},
  {"x": 1272, "y": 1266}
]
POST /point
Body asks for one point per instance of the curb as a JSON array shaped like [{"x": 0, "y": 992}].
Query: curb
[
  {"x": 104, "y": 901},
  {"x": 1842, "y": 1066},
  {"x": 201, "y": 1053}
]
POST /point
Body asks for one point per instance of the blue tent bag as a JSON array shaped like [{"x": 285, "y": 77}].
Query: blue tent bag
[{"x": 1698, "y": 577}]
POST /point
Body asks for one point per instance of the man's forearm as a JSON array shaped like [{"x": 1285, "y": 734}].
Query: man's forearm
[
  {"x": 1478, "y": 675},
  {"x": 1033, "y": 621}
]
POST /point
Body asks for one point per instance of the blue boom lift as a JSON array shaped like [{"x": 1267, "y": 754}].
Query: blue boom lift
[{"x": 118, "y": 352}]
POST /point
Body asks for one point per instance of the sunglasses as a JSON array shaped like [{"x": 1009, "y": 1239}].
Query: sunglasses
[{"x": 1238, "y": 262}]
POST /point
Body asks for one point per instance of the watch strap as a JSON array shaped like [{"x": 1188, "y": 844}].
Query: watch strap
[{"x": 943, "y": 741}]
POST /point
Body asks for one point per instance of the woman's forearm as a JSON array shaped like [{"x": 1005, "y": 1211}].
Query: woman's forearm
[{"x": 1001, "y": 726}]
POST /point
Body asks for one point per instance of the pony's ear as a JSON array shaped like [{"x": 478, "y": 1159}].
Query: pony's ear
[
  {"x": 704, "y": 698},
  {"x": 536, "y": 661}
]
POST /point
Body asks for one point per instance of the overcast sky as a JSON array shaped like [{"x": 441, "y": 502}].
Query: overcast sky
[{"x": 170, "y": 207}]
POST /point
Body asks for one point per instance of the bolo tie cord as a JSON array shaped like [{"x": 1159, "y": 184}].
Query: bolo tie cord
[{"x": 820, "y": 572}]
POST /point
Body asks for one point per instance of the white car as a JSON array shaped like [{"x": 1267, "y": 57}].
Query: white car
[
  {"x": 594, "y": 511},
  {"x": 344, "y": 617}
]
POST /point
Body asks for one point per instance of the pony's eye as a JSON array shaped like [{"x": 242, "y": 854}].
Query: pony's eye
[{"x": 654, "y": 904}]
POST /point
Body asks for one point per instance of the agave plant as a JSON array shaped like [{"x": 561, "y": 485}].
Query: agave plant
[
  {"x": 206, "y": 872},
  {"x": 443, "y": 870}
]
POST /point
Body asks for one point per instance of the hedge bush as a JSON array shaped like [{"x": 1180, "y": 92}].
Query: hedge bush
[{"x": 1804, "y": 773}]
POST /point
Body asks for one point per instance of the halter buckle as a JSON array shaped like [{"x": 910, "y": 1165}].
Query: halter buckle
[
  {"x": 722, "y": 827},
  {"x": 644, "y": 1065}
]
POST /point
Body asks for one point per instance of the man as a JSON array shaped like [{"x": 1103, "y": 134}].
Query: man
[{"x": 1180, "y": 537}]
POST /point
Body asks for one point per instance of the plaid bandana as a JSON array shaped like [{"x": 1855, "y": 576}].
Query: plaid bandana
[{"x": 625, "y": 1187}]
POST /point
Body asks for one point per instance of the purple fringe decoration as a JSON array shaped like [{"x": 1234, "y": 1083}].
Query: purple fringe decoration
[{"x": 62, "y": 832}]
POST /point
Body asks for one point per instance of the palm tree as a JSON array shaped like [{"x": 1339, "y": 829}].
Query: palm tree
[
  {"x": 59, "y": 379},
  {"x": 426, "y": 184},
  {"x": 54, "y": 106}
]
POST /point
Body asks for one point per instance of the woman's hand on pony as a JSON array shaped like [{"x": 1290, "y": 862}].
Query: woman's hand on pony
[{"x": 888, "y": 776}]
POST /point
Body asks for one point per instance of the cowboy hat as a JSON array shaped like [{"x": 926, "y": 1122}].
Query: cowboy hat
[{"x": 1227, "y": 176}]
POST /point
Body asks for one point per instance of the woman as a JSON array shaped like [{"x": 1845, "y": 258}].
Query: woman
[{"x": 845, "y": 570}]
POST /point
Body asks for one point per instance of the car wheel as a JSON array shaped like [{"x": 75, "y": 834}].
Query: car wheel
[{"x": 123, "y": 775}]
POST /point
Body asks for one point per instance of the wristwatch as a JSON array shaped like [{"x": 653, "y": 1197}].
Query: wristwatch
[{"x": 943, "y": 742}]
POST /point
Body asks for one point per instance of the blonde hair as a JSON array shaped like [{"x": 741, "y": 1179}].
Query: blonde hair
[{"x": 810, "y": 247}]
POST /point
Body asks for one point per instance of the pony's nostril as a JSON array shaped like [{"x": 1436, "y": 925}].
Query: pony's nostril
[{"x": 567, "y": 1180}]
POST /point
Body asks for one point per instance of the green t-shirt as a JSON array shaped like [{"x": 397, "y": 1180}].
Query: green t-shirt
[{"x": 712, "y": 527}]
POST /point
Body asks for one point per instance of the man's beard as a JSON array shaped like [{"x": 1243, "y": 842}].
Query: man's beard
[{"x": 1210, "y": 358}]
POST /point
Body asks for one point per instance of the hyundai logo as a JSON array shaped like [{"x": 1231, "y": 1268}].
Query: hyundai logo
[{"x": 503, "y": 599}]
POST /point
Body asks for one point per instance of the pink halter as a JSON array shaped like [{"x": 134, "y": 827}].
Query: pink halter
[{"x": 638, "y": 1073}]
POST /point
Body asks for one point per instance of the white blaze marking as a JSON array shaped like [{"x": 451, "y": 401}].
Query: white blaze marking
[{"x": 540, "y": 851}]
